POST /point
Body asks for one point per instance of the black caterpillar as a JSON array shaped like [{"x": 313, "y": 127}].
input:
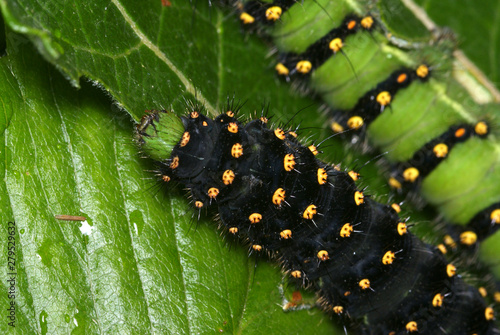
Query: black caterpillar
[
  {"x": 340, "y": 52},
  {"x": 275, "y": 195}
]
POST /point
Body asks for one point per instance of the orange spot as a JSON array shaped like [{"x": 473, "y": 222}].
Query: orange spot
[
  {"x": 233, "y": 230},
  {"x": 286, "y": 234},
  {"x": 255, "y": 217},
  {"x": 310, "y": 211},
  {"x": 273, "y": 13},
  {"x": 346, "y": 230},
  {"x": 351, "y": 24},
  {"x": 281, "y": 69},
  {"x": 279, "y": 133},
  {"x": 336, "y": 44},
  {"x": 175, "y": 163},
  {"x": 411, "y": 326},
  {"x": 237, "y": 150},
  {"x": 228, "y": 177},
  {"x": 232, "y": 127},
  {"x": 198, "y": 204},
  {"x": 213, "y": 192},
  {"x": 451, "y": 270},
  {"x": 279, "y": 196},
  {"x": 323, "y": 255},
  {"x": 388, "y": 258},
  {"x": 402, "y": 229},
  {"x": 402, "y": 78},
  {"x": 364, "y": 284},
  {"x": 247, "y": 18},
  {"x": 185, "y": 139},
  {"x": 459, "y": 132},
  {"x": 437, "y": 301},
  {"x": 304, "y": 66},
  {"x": 422, "y": 71},
  {"x": 289, "y": 162},
  {"x": 384, "y": 98},
  {"x": 359, "y": 198}
]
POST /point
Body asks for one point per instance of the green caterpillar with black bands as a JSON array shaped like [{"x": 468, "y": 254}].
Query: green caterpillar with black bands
[{"x": 439, "y": 140}]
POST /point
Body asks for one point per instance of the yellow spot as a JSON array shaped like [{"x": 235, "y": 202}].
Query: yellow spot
[
  {"x": 165, "y": 178},
  {"x": 175, "y": 163},
  {"x": 460, "y": 132},
  {"x": 281, "y": 69},
  {"x": 359, "y": 198},
  {"x": 185, "y": 139},
  {"x": 292, "y": 133},
  {"x": 204, "y": 123},
  {"x": 263, "y": 119},
  {"x": 384, "y": 98},
  {"x": 286, "y": 234},
  {"x": 247, "y": 18},
  {"x": 322, "y": 176},
  {"x": 233, "y": 230},
  {"x": 449, "y": 241},
  {"x": 313, "y": 149},
  {"x": 402, "y": 229},
  {"x": 422, "y": 71},
  {"x": 232, "y": 127},
  {"x": 323, "y": 255},
  {"x": 496, "y": 297},
  {"x": 468, "y": 238},
  {"x": 367, "y": 22},
  {"x": 279, "y": 196},
  {"x": 489, "y": 314},
  {"x": 346, "y": 230},
  {"x": 451, "y": 270},
  {"x": 336, "y": 127},
  {"x": 482, "y": 292},
  {"x": 411, "y": 326},
  {"x": 442, "y": 248},
  {"x": 296, "y": 274},
  {"x": 257, "y": 247},
  {"x": 354, "y": 175},
  {"x": 411, "y": 174},
  {"x": 279, "y": 133},
  {"x": 437, "y": 301},
  {"x": 440, "y": 150},
  {"x": 198, "y": 204},
  {"x": 194, "y": 115},
  {"x": 364, "y": 284},
  {"x": 273, "y": 13},
  {"x": 228, "y": 177},
  {"x": 388, "y": 258},
  {"x": 255, "y": 217},
  {"x": 394, "y": 183},
  {"x": 230, "y": 113},
  {"x": 351, "y": 24},
  {"x": 213, "y": 192},
  {"x": 481, "y": 128},
  {"x": 338, "y": 309},
  {"x": 336, "y": 44},
  {"x": 495, "y": 216},
  {"x": 304, "y": 66},
  {"x": 402, "y": 78},
  {"x": 237, "y": 150},
  {"x": 355, "y": 122},
  {"x": 396, "y": 208},
  {"x": 310, "y": 211},
  {"x": 289, "y": 162}
]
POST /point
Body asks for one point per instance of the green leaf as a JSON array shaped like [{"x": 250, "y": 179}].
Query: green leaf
[{"x": 148, "y": 265}]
